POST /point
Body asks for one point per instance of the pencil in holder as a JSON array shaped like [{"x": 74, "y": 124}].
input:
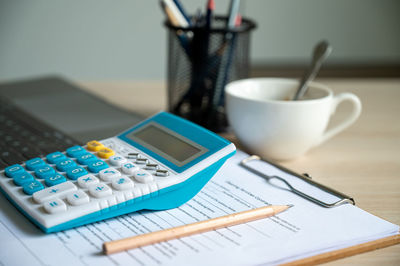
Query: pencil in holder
[{"x": 201, "y": 61}]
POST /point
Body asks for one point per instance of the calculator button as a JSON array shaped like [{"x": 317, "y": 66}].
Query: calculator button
[
  {"x": 77, "y": 198},
  {"x": 34, "y": 163},
  {"x": 87, "y": 180},
  {"x": 86, "y": 159},
  {"x": 162, "y": 172},
  {"x": 55, "y": 206},
  {"x": 97, "y": 166},
  {"x": 32, "y": 187},
  {"x": 55, "y": 180},
  {"x": 129, "y": 168},
  {"x": 55, "y": 157},
  {"x": 152, "y": 166},
  {"x": 76, "y": 151},
  {"x": 133, "y": 155},
  {"x": 94, "y": 145},
  {"x": 122, "y": 183},
  {"x": 45, "y": 172},
  {"x": 109, "y": 174},
  {"x": 64, "y": 165},
  {"x": 100, "y": 190},
  {"x": 105, "y": 153},
  {"x": 54, "y": 191},
  {"x": 14, "y": 170},
  {"x": 117, "y": 160},
  {"x": 76, "y": 172},
  {"x": 143, "y": 176},
  {"x": 23, "y": 178},
  {"x": 141, "y": 161}
]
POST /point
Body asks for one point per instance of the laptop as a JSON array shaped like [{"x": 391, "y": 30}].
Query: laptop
[{"x": 42, "y": 115}]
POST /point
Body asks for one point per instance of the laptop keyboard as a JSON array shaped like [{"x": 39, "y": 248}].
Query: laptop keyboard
[{"x": 24, "y": 137}]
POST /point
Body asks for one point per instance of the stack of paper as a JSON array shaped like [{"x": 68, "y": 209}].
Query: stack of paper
[{"x": 302, "y": 231}]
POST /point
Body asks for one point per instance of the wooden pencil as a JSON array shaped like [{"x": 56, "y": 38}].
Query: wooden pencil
[{"x": 191, "y": 229}]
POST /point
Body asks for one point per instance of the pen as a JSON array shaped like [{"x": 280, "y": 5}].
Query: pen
[
  {"x": 219, "y": 100},
  {"x": 210, "y": 9},
  {"x": 183, "y": 39},
  {"x": 226, "y": 58},
  {"x": 181, "y": 20},
  {"x": 191, "y": 229},
  {"x": 170, "y": 15},
  {"x": 197, "y": 18},
  {"x": 201, "y": 85},
  {"x": 233, "y": 11},
  {"x": 224, "y": 67},
  {"x": 182, "y": 10}
]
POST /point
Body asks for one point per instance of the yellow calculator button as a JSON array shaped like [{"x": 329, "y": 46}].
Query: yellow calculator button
[
  {"x": 94, "y": 145},
  {"x": 105, "y": 153}
]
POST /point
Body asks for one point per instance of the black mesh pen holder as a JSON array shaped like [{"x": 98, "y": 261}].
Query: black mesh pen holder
[{"x": 201, "y": 62}]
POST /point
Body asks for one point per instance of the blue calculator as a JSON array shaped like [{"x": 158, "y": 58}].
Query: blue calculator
[{"x": 158, "y": 164}]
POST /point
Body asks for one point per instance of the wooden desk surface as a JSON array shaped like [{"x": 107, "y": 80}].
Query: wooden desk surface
[{"x": 363, "y": 161}]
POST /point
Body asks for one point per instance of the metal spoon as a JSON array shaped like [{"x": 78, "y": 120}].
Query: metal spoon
[{"x": 320, "y": 53}]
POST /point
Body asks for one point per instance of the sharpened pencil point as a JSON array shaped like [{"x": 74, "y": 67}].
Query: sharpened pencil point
[{"x": 290, "y": 205}]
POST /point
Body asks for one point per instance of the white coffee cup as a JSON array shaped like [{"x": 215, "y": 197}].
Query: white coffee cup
[{"x": 268, "y": 123}]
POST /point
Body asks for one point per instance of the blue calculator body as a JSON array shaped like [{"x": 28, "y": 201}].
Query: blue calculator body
[{"x": 158, "y": 164}]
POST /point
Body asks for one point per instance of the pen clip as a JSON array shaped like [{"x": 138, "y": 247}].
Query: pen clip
[{"x": 342, "y": 197}]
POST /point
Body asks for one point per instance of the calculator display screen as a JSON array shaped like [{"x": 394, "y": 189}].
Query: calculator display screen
[{"x": 168, "y": 144}]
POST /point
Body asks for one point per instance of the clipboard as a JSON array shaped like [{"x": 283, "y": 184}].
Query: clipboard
[{"x": 343, "y": 199}]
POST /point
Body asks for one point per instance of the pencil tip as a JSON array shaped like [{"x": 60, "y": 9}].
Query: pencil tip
[{"x": 290, "y": 205}]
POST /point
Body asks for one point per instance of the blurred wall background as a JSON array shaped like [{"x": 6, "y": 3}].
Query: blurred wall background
[{"x": 126, "y": 40}]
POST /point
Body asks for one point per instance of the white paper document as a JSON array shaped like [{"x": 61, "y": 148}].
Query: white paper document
[{"x": 303, "y": 230}]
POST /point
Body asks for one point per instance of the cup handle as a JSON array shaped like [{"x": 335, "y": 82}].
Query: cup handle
[{"x": 355, "y": 113}]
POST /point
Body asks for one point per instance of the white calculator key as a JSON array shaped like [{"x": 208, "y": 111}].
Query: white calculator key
[
  {"x": 100, "y": 190},
  {"x": 152, "y": 166},
  {"x": 77, "y": 198},
  {"x": 87, "y": 180},
  {"x": 142, "y": 160},
  {"x": 132, "y": 155},
  {"x": 129, "y": 168},
  {"x": 162, "y": 172},
  {"x": 109, "y": 174},
  {"x": 143, "y": 176},
  {"x": 122, "y": 183},
  {"x": 117, "y": 160},
  {"x": 55, "y": 206},
  {"x": 54, "y": 191}
]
